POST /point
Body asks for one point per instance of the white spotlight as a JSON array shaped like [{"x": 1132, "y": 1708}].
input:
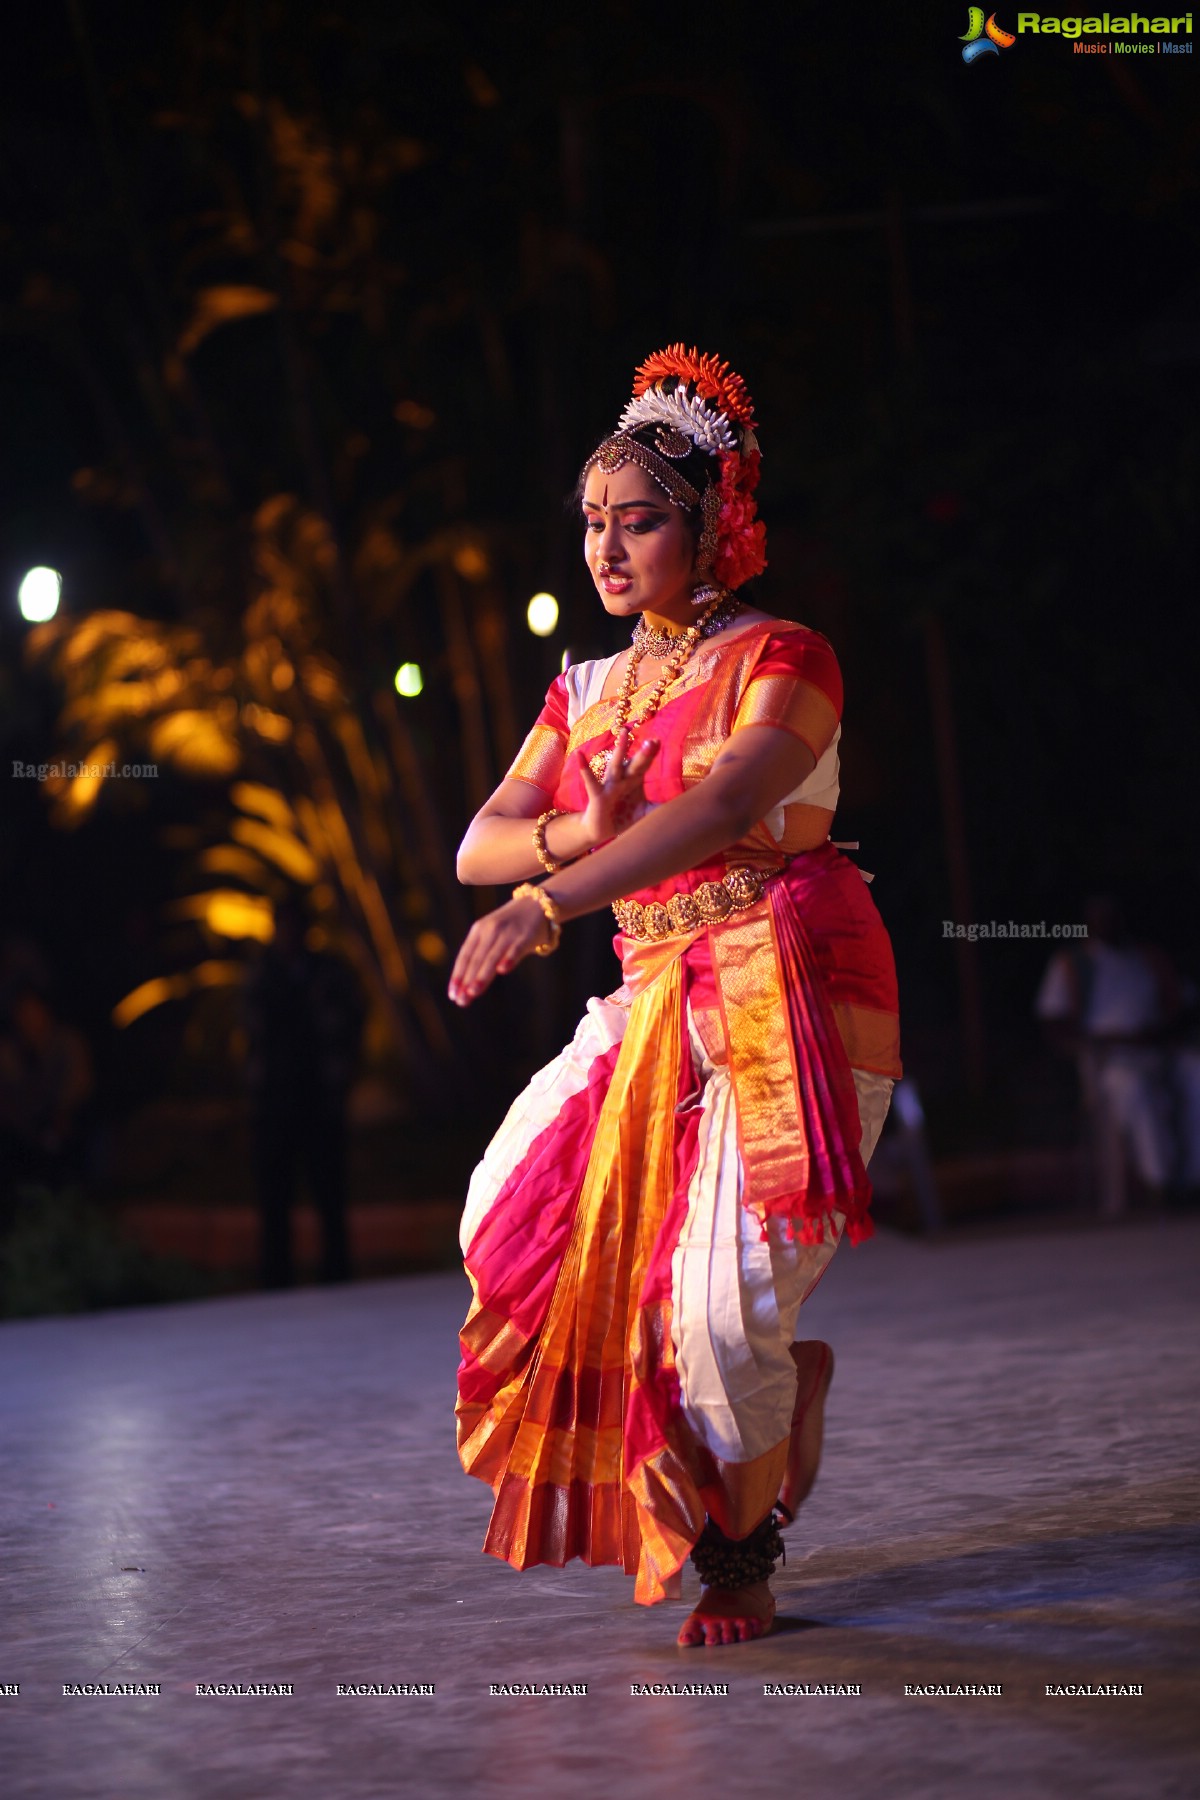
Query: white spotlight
[
  {"x": 542, "y": 614},
  {"x": 39, "y": 594}
]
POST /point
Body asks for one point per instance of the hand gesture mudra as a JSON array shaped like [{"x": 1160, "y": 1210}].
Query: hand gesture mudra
[
  {"x": 503, "y": 938},
  {"x": 617, "y": 800}
]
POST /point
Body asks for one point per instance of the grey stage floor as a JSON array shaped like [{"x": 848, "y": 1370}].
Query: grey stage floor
[{"x": 265, "y": 1490}]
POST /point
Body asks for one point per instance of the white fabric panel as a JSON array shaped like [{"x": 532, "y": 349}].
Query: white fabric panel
[
  {"x": 821, "y": 788},
  {"x": 602, "y": 1026},
  {"x": 585, "y": 684},
  {"x": 735, "y": 1298}
]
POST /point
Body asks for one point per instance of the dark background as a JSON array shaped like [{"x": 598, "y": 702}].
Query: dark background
[{"x": 965, "y": 301}]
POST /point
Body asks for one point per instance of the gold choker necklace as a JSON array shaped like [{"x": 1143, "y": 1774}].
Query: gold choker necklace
[
  {"x": 657, "y": 641},
  {"x": 657, "y": 635}
]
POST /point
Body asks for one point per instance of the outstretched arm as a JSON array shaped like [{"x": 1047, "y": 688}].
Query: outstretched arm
[{"x": 758, "y": 767}]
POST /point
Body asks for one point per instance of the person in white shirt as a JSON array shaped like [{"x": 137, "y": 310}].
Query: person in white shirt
[{"x": 1118, "y": 1006}]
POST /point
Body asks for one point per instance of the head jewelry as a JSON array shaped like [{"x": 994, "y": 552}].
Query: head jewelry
[{"x": 697, "y": 403}]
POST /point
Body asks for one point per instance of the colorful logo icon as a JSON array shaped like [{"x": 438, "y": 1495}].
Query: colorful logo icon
[{"x": 982, "y": 39}]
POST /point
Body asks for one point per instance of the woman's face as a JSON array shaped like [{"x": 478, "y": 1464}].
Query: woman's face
[{"x": 638, "y": 546}]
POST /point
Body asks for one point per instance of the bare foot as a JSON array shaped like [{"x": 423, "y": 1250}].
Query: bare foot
[
  {"x": 729, "y": 1616},
  {"x": 814, "y": 1372}
]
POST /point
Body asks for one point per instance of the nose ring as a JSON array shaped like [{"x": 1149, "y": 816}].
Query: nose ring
[{"x": 603, "y": 568}]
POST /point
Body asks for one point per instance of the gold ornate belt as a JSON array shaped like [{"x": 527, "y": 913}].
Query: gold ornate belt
[{"x": 707, "y": 904}]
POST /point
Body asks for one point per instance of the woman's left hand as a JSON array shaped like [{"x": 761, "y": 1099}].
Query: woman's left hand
[{"x": 494, "y": 945}]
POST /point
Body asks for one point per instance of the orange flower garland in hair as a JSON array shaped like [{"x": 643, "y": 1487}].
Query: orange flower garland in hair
[
  {"x": 741, "y": 535},
  {"x": 712, "y": 379}
]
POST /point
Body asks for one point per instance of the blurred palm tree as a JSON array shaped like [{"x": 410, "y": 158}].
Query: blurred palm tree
[
  {"x": 313, "y": 801},
  {"x": 252, "y": 373}
]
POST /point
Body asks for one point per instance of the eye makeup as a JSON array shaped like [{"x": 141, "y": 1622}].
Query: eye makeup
[{"x": 647, "y": 518}]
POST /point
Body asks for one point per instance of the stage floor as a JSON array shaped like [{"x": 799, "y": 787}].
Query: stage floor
[{"x": 264, "y": 1490}]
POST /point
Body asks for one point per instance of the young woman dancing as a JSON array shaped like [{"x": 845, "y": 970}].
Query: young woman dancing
[{"x": 645, "y": 1225}]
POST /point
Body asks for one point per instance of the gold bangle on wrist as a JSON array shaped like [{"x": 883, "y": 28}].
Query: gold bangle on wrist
[
  {"x": 527, "y": 891},
  {"x": 539, "y": 842}
]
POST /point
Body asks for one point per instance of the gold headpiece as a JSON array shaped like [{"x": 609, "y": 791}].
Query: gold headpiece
[{"x": 624, "y": 448}]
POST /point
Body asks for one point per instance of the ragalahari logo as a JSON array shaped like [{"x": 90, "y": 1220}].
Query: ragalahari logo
[{"x": 982, "y": 39}]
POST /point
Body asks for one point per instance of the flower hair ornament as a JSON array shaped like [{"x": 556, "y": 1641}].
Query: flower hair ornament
[{"x": 697, "y": 403}]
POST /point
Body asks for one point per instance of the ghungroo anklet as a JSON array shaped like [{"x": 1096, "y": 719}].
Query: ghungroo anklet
[{"x": 725, "y": 1562}]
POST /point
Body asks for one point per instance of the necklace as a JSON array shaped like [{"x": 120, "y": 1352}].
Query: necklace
[
  {"x": 656, "y": 642},
  {"x": 679, "y": 647},
  {"x": 653, "y": 641}
]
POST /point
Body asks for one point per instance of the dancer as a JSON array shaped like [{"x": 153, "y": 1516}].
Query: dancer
[{"x": 643, "y": 1228}]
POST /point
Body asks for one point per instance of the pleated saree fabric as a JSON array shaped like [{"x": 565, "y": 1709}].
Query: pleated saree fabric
[{"x": 646, "y": 1223}]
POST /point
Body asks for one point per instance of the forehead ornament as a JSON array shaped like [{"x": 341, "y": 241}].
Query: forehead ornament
[{"x": 622, "y": 448}]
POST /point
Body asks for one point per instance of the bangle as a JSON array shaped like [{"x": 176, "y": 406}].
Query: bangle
[
  {"x": 539, "y": 842},
  {"x": 527, "y": 891}
]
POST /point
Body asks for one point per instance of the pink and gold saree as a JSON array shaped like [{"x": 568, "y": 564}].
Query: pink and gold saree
[{"x": 646, "y": 1223}]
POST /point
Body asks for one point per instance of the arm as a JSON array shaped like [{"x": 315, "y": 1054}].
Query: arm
[
  {"x": 758, "y": 767},
  {"x": 498, "y": 846}
]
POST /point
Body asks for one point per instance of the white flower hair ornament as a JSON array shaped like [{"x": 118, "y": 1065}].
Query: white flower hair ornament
[{"x": 709, "y": 431}]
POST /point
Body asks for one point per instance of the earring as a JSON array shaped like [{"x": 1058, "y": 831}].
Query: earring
[{"x": 706, "y": 549}]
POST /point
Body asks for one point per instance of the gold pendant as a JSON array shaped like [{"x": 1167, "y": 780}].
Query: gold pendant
[{"x": 598, "y": 764}]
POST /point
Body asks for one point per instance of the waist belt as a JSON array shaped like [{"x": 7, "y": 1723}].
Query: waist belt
[{"x": 707, "y": 904}]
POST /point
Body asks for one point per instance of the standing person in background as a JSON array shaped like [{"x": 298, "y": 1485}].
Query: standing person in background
[
  {"x": 645, "y": 1225},
  {"x": 303, "y": 1015},
  {"x": 1118, "y": 1006}
]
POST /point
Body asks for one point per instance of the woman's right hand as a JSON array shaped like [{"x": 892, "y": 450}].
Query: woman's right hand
[
  {"x": 617, "y": 801},
  {"x": 494, "y": 945}
]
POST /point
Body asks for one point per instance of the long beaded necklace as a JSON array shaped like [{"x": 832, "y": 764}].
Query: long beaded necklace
[{"x": 678, "y": 648}]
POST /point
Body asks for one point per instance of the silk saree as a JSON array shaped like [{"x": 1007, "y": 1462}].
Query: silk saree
[{"x": 645, "y": 1225}]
